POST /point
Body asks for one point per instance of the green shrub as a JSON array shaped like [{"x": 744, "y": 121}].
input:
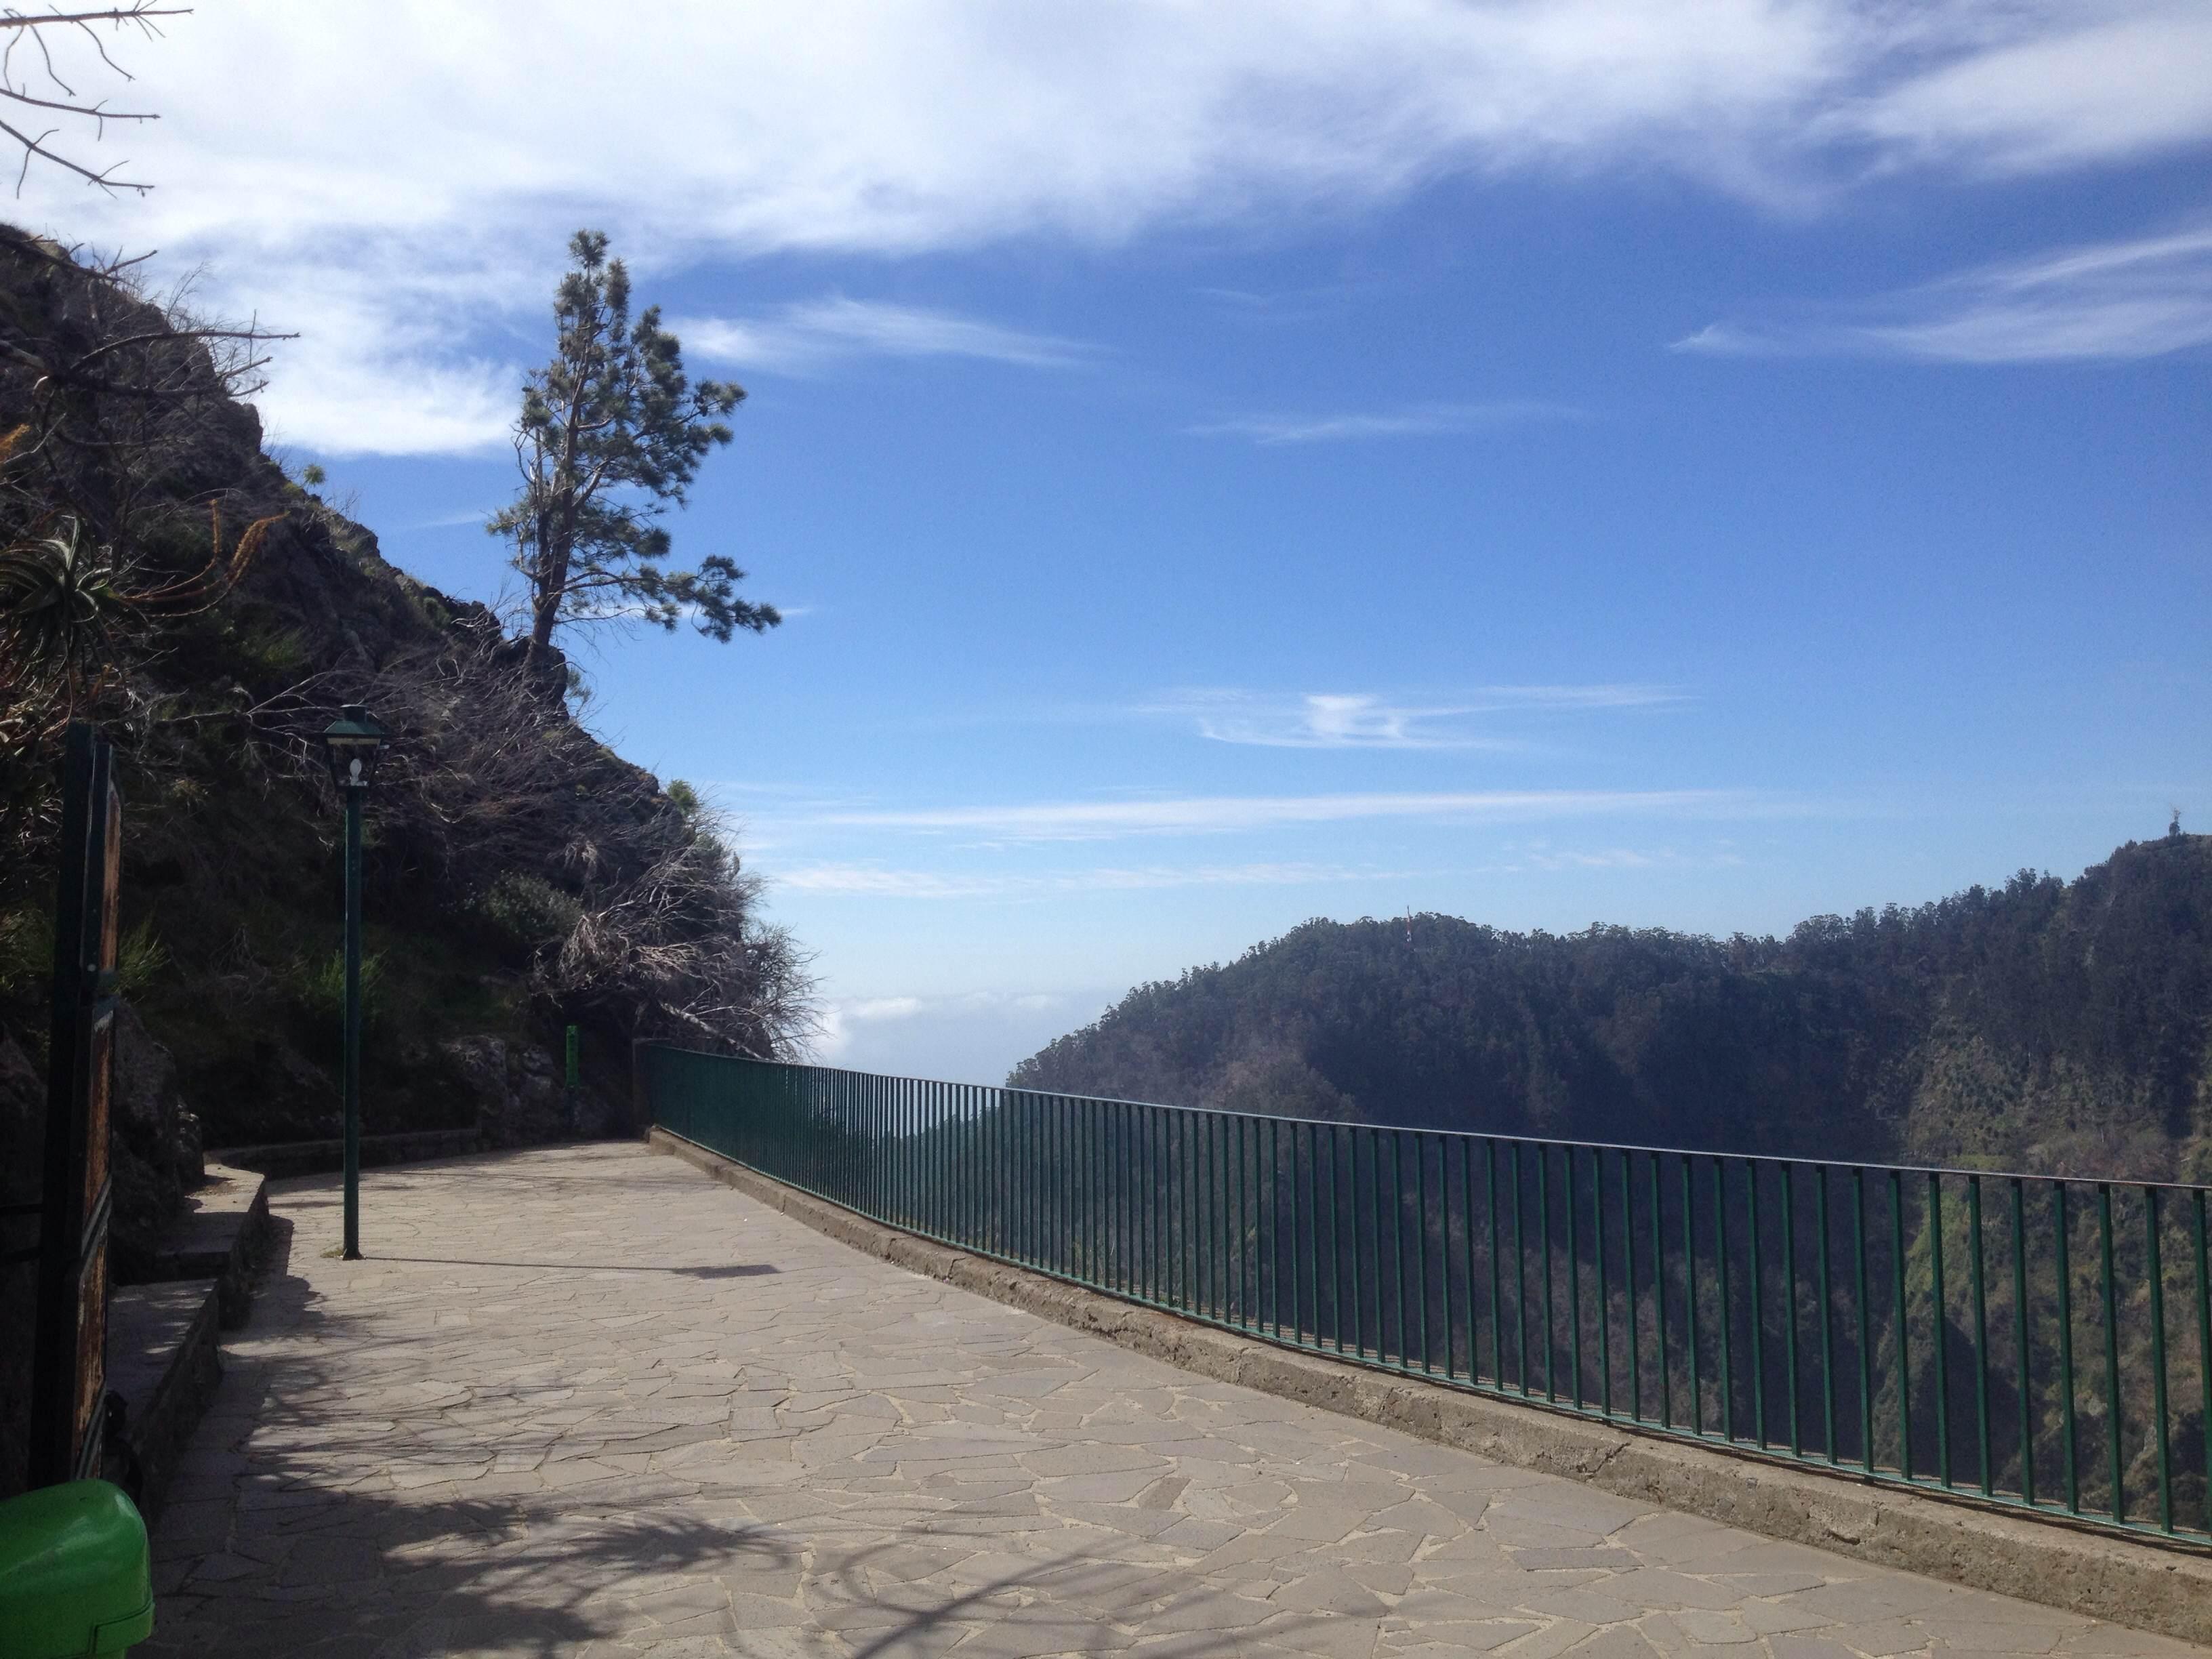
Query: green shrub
[
  {"x": 529, "y": 911},
  {"x": 140, "y": 959},
  {"x": 316, "y": 989},
  {"x": 26, "y": 955},
  {"x": 275, "y": 652},
  {"x": 27, "y": 951}
]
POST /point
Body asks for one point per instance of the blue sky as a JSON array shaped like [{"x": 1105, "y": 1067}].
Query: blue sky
[{"x": 1693, "y": 464}]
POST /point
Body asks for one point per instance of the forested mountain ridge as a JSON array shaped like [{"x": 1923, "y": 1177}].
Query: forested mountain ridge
[{"x": 2042, "y": 1024}]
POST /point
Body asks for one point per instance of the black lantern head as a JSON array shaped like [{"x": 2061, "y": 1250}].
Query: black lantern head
[{"x": 352, "y": 744}]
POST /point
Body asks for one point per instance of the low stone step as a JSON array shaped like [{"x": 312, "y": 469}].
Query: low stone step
[
  {"x": 163, "y": 1361},
  {"x": 278, "y": 1159},
  {"x": 217, "y": 1236},
  {"x": 164, "y": 1364}
]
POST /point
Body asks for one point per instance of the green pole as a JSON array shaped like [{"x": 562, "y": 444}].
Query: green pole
[
  {"x": 353, "y": 794},
  {"x": 572, "y": 1077}
]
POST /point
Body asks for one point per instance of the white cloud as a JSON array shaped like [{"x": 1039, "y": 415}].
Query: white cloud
[
  {"x": 755, "y": 787},
  {"x": 1626, "y": 858},
  {"x": 331, "y": 405},
  {"x": 971, "y": 1035},
  {"x": 809, "y": 336},
  {"x": 1362, "y": 719},
  {"x": 1338, "y": 721},
  {"x": 2136, "y": 81},
  {"x": 1422, "y": 421},
  {"x": 384, "y": 362},
  {"x": 2142, "y": 297},
  {"x": 875, "y": 881},
  {"x": 1217, "y": 814},
  {"x": 872, "y": 1008},
  {"x": 396, "y": 177},
  {"x": 1613, "y": 858},
  {"x": 363, "y": 381},
  {"x": 1609, "y": 694}
]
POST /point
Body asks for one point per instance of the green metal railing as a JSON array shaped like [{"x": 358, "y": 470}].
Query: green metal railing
[{"x": 2036, "y": 1342}]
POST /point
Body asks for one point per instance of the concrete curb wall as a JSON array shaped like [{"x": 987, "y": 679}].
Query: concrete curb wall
[
  {"x": 279, "y": 1160},
  {"x": 218, "y": 1237},
  {"x": 165, "y": 1365},
  {"x": 2146, "y": 1586}
]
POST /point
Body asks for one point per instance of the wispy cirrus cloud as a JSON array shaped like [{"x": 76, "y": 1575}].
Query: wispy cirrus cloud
[
  {"x": 813, "y": 334},
  {"x": 1362, "y": 719},
  {"x": 877, "y": 881},
  {"x": 1282, "y": 307},
  {"x": 2070, "y": 88},
  {"x": 1096, "y": 820},
  {"x": 1622, "y": 857},
  {"x": 1417, "y": 420},
  {"x": 2120, "y": 301}
]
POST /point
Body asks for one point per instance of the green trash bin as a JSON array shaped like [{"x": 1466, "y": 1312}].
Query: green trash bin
[{"x": 75, "y": 1578}]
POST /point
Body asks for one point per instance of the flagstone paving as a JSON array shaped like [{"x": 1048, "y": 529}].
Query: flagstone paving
[{"x": 587, "y": 1402}]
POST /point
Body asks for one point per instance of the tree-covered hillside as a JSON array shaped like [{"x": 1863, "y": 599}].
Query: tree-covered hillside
[{"x": 2045, "y": 1024}]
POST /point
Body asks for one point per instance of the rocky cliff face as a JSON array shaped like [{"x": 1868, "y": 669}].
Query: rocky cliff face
[
  {"x": 521, "y": 1097},
  {"x": 521, "y": 876},
  {"x": 155, "y": 1152},
  {"x": 23, "y": 1101}
]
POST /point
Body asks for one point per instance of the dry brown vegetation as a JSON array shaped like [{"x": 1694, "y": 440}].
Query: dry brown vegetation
[{"x": 161, "y": 576}]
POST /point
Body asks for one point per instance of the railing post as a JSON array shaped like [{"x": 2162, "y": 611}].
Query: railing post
[
  {"x": 1544, "y": 1252},
  {"x": 1788, "y": 1172},
  {"x": 1903, "y": 1323},
  {"x": 2153, "y": 1270},
  {"x": 1728, "y": 1314},
  {"x": 1758, "y": 1306},
  {"x": 1574, "y": 1285}
]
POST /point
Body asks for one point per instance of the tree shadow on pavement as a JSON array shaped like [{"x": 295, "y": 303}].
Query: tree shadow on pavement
[
  {"x": 731, "y": 1270},
  {"x": 286, "y": 1533}
]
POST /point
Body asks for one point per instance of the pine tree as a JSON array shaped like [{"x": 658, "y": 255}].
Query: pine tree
[{"x": 610, "y": 435}]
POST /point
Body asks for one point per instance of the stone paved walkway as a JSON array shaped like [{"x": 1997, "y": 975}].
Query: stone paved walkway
[{"x": 587, "y": 1402}]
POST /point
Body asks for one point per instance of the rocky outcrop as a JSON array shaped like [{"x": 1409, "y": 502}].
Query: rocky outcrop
[
  {"x": 22, "y": 1114},
  {"x": 517, "y": 1090},
  {"x": 294, "y": 1098},
  {"x": 154, "y": 1145}
]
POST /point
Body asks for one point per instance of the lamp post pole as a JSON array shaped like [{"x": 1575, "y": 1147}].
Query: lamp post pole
[
  {"x": 351, "y": 744},
  {"x": 353, "y": 789}
]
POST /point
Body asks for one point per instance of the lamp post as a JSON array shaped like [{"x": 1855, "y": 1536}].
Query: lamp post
[{"x": 352, "y": 743}]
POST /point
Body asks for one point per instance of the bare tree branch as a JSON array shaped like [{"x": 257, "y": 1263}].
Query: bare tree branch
[{"x": 37, "y": 27}]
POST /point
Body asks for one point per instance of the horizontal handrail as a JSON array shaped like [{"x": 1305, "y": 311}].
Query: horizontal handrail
[
  {"x": 2039, "y": 1342},
  {"x": 1993, "y": 1173}
]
